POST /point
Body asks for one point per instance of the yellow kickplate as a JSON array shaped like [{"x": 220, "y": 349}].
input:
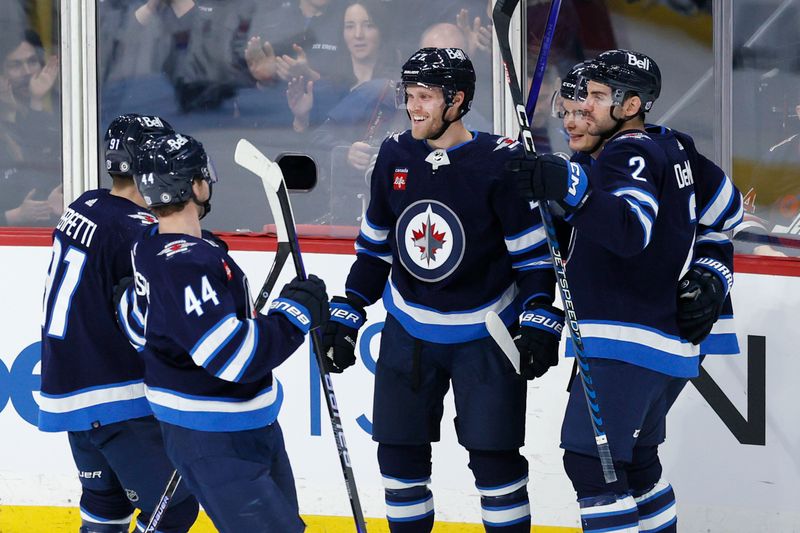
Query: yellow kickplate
[{"x": 28, "y": 519}]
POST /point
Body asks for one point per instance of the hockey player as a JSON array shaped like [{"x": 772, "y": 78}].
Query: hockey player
[
  {"x": 92, "y": 378},
  {"x": 448, "y": 232},
  {"x": 697, "y": 315},
  {"x": 208, "y": 356},
  {"x": 635, "y": 212}
]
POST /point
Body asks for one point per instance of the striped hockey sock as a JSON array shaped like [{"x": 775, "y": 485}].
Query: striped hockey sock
[
  {"x": 409, "y": 505},
  {"x": 657, "y": 512},
  {"x": 617, "y": 514},
  {"x": 506, "y": 508}
]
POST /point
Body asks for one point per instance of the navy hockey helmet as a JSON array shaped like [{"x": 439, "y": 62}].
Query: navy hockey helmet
[
  {"x": 573, "y": 88},
  {"x": 123, "y": 138},
  {"x": 448, "y": 68},
  {"x": 625, "y": 72},
  {"x": 168, "y": 167}
]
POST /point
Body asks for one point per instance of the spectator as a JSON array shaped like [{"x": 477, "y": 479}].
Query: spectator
[{"x": 30, "y": 147}]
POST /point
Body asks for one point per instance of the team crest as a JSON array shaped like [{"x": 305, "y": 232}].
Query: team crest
[
  {"x": 176, "y": 247},
  {"x": 400, "y": 179},
  {"x": 430, "y": 240},
  {"x": 144, "y": 218}
]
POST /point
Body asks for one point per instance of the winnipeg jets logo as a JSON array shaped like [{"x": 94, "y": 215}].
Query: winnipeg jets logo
[
  {"x": 144, "y": 218},
  {"x": 430, "y": 240},
  {"x": 176, "y": 247}
]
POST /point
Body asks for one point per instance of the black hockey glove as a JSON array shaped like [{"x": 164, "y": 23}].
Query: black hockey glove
[
  {"x": 537, "y": 341},
  {"x": 341, "y": 332},
  {"x": 120, "y": 288},
  {"x": 550, "y": 177},
  {"x": 700, "y": 298},
  {"x": 303, "y": 302}
]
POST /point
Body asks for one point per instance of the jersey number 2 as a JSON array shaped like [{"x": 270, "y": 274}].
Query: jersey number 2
[{"x": 55, "y": 319}]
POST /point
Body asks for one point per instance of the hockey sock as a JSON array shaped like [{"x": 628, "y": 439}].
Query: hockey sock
[
  {"x": 609, "y": 513},
  {"x": 406, "y": 472},
  {"x": 657, "y": 510},
  {"x": 502, "y": 479}
]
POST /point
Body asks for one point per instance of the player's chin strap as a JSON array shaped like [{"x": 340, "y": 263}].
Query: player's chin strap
[
  {"x": 205, "y": 206},
  {"x": 618, "y": 123},
  {"x": 445, "y": 124}
]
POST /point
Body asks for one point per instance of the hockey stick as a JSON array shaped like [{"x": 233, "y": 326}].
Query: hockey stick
[
  {"x": 501, "y": 17},
  {"x": 249, "y": 157},
  {"x": 499, "y": 332}
]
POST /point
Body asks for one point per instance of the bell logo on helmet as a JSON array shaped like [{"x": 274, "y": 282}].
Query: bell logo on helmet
[
  {"x": 455, "y": 53},
  {"x": 152, "y": 122},
  {"x": 643, "y": 63},
  {"x": 177, "y": 142}
]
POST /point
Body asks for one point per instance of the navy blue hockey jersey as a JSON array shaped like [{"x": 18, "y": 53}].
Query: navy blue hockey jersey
[
  {"x": 634, "y": 240},
  {"x": 458, "y": 241},
  {"x": 208, "y": 356},
  {"x": 90, "y": 373},
  {"x": 719, "y": 208}
]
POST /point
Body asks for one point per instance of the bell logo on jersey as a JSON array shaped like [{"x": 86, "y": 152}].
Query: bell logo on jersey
[
  {"x": 430, "y": 240},
  {"x": 400, "y": 179},
  {"x": 643, "y": 63}
]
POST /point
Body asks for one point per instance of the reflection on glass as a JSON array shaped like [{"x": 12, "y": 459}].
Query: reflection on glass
[
  {"x": 766, "y": 84},
  {"x": 30, "y": 122}
]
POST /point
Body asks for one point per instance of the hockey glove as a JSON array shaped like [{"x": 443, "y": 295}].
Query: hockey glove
[
  {"x": 550, "y": 177},
  {"x": 537, "y": 341},
  {"x": 700, "y": 298},
  {"x": 120, "y": 288},
  {"x": 340, "y": 334},
  {"x": 304, "y": 303}
]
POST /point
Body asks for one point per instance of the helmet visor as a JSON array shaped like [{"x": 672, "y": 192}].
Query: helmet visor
[{"x": 401, "y": 92}]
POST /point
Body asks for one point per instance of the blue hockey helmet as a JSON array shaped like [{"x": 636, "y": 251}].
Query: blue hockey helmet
[
  {"x": 448, "y": 68},
  {"x": 123, "y": 138},
  {"x": 625, "y": 71},
  {"x": 168, "y": 165}
]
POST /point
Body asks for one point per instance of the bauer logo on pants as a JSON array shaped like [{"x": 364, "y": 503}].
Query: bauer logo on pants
[{"x": 430, "y": 240}]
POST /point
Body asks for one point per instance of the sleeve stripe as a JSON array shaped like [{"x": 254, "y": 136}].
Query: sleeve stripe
[
  {"x": 526, "y": 241},
  {"x": 135, "y": 339},
  {"x": 372, "y": 233},
  {"x": 719, "y": 205},
  {"x": 385, "y": 256},
  {"x": 213, "y": 341},
  {"x": 713, "y": 236},
  {"x": 536, "y": 261},
  {"x": 640, "y": 196},
  {"x": 137, "y": 314},
  {"x": 735, "y": 219},
  {"x": 644, "y": 220},
  {"x": 236, "y": 366}
]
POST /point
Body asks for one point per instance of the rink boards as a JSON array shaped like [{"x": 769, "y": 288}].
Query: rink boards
[{"x": 731, "y": 452}]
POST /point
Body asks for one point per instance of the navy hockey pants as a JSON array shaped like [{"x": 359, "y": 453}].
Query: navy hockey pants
[
  {"x": 243, "y": 479},
  {"x": 123, "y": 466},
  {"x": 412, "y": 378}
]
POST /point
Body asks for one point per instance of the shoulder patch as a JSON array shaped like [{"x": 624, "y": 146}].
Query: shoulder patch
[
  {"x": 176, "y": 247},
  {"x": 636, "y": 135},
  {"x": 505, "y": 142},
  {"x": 144, "y": 218}
]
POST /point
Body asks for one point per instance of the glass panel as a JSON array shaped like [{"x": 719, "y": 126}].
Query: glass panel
[
  {"x": 766, "y": 148},
  {"x": 311, "y": 76},
  {"x": 677, "y": 34},
  {"x": 30, "y": 118}
]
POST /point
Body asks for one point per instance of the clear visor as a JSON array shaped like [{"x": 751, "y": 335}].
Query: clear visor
[
  {"x": 400, "y": 96},
  {"x": 598, "y": 94},
  {"x": 210, "y": 172},
  {"x": 564, "y": 109}
]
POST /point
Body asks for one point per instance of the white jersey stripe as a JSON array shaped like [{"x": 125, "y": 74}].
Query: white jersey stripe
[
  {"x": 171, "y": 400},
  {"x": 242, "y": 355},
  {"x": 82, "y": 400},
  {"x": 214, "y": 340}
]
